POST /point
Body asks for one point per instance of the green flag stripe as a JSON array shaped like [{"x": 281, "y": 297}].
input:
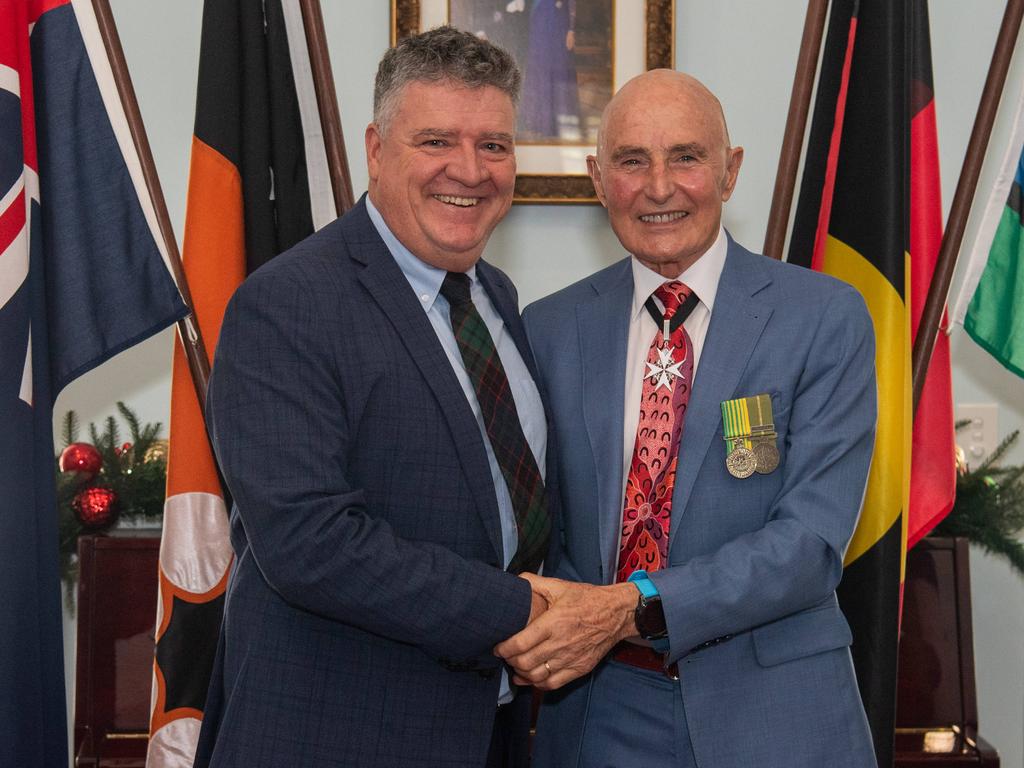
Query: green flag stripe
[{"x": 995, "y": 317}]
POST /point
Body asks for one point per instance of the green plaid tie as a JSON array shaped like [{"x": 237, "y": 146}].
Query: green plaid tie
[{"x": 518, "y": 465}]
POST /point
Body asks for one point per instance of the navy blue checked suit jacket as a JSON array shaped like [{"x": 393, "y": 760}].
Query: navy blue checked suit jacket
[{"x": 367, "y": 593}]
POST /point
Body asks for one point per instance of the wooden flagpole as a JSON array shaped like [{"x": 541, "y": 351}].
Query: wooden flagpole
[
  {"x": 961, "y": 207},
  {"x": 188, "y": 327},
  {"x": 316, "y": 40},
  {"x": 327, "y": 102},
  {"x": 796, "y": 124}
]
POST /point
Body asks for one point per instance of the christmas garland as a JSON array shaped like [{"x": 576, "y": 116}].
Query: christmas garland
[
  {"x": 102, "y": 483},
  {"x": 989, "y": 507},
  {"x": 107, "y": 481}
]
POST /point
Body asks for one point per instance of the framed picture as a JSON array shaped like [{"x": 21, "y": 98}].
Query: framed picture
[{"x": 574, "y": 55}]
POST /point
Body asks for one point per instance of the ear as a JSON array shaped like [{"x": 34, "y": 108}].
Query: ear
[
  {"x": 733, "y": 161},
  {"x": 595, "y": 176},
  {"x": 373, "y": 145}
]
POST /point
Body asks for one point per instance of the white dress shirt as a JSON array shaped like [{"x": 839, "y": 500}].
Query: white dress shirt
[
  {"x": 702, "y": 278},
  {"x": 426, "y": 281}
]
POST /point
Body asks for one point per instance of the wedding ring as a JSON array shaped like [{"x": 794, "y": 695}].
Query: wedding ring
[{"x": 547, "y": 667}]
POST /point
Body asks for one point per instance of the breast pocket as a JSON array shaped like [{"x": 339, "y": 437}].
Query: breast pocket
[{"x": 752, "y": 437}]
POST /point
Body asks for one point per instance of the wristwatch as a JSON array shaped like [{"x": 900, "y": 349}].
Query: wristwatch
[{"x": 649, "y": 614}]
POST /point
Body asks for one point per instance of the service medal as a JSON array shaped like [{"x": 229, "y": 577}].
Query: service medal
[
  {"x": 749, "y": 436},
  {"x": 741, "y": 462},
  {"x": 766, "y": 456}
]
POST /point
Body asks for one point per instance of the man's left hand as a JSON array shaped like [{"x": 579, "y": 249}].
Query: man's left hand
[{"x": 581, "y": 625}]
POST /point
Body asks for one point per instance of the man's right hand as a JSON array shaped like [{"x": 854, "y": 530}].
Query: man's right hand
[{"x": 582, "y": 624}]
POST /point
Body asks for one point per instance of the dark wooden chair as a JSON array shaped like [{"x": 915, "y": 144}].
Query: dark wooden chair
[
  {"x": 936, "y": 706},
  {"x": 117, "y": 594}
]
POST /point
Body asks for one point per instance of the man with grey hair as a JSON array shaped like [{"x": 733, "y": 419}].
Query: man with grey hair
[
  {"x": 721, "y": 409},
  {"x": 374, "y": 412}
]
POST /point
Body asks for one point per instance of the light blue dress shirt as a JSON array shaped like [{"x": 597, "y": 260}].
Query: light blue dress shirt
[{"x": 426, "y": 282}]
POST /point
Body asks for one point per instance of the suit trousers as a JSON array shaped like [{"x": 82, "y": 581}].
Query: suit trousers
[
  {"x": 508, "y": 748},
  {"x": 635, "y": 718}
]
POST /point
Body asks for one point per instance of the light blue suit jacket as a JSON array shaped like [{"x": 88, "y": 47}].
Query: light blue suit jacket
[{"x": 749, "y": 596}]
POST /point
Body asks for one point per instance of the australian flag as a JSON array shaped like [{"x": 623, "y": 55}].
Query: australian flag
[{"x": 82, "y": 277}]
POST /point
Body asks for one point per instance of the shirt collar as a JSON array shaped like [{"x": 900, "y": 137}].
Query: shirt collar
[
  {"x": 702, "y": 276},
  {"x": 424, "y": 278}
]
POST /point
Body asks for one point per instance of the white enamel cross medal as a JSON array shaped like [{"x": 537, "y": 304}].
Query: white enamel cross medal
[{"x": 665, "y": 371}]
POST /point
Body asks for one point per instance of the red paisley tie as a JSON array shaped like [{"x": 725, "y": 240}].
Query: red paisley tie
[{"x": 647, "y": 507}]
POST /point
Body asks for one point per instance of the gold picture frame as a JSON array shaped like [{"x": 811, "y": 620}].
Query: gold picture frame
[{"x": 642, "y": 34}]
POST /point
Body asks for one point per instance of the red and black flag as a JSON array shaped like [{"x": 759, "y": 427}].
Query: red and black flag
[
  {"x": 258, "y": 183},
  {"x": 852, "y": 222},
  {"x": 933, "y": 465}
]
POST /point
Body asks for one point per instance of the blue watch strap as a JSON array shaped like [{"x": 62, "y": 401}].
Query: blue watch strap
[
  {"x": 649, "y": 590},
  {"x": 643, "y": 583}
]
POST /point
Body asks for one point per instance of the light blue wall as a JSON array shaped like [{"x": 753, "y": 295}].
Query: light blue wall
[{"x": 744, "y": 51}]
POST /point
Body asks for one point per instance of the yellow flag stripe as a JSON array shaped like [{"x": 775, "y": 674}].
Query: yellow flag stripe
[{"x": 889, "y": 479}]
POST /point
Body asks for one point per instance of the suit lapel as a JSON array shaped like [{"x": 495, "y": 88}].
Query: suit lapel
[
  {"x": 603, "y": 327},
  {"x": 736, "y": 324},
  {"x": 384, "y": 281}
]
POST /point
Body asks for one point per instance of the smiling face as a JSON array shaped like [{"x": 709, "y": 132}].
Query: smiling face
[
  {"x": 664, "y": 168},
  {"x": 443, "y": 170}
]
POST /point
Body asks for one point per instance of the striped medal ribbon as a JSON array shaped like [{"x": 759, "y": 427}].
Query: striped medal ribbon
[{"x": 750, "y": 436}]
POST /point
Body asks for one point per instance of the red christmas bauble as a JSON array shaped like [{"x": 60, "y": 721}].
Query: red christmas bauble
[
  {"x": 95, "y": 506},
  {"x": 82, "y": 458}
]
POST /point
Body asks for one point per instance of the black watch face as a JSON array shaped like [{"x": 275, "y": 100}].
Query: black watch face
[{"x": 650, "y": 618}]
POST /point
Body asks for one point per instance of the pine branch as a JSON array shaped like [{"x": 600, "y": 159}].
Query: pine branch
[
  {"x": 1011, "y": 549},
  {"x": 113, "y": 433},
  {"x": 69, "y": 432},
  {"x": 150, "y": 432},
  {"x": 133, "y": 421},
  {"x": 138, "y": 483},
  {"x": 989, "y": 507},
  {"x": 145, "y": 441},
  {"x": 999, "y": 451}
]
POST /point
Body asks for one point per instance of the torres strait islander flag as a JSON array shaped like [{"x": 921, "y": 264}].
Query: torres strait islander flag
[
  {"x": 991, "y": 302},
  {"x": 933, "y": 455},
  {"x": 258, "y": 183},
  {"x": 83, "y": 276},
  {"x": 851, "y": 222}
]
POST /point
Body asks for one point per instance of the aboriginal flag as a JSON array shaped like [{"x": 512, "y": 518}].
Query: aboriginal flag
[
  {"x": 933, "y": 465},
  {"x": 852, "y": 222},
  {"x": 258, "y": 183}
]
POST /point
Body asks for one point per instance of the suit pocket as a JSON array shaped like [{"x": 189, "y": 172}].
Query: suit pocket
[
  {"x": 781, "y": 402},
  {"x": 818, "y": 629}
]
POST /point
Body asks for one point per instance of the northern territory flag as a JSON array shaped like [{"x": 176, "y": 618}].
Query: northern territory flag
[
  {"x": 258, "y": 183},
  {"x": 933, "y": 456},
  {"x": 852, "y": 222},
  {"x": 83, "y": 276}
]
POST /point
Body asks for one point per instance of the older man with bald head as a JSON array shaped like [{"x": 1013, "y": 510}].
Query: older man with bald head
[{"x": 715, "y": 412}]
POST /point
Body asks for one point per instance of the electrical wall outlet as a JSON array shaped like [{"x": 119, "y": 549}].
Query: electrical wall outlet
[{"x": 981, "y": 436}]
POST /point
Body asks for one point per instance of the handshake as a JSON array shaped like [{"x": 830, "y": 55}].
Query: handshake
[{"x": 572, "y": 627}]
